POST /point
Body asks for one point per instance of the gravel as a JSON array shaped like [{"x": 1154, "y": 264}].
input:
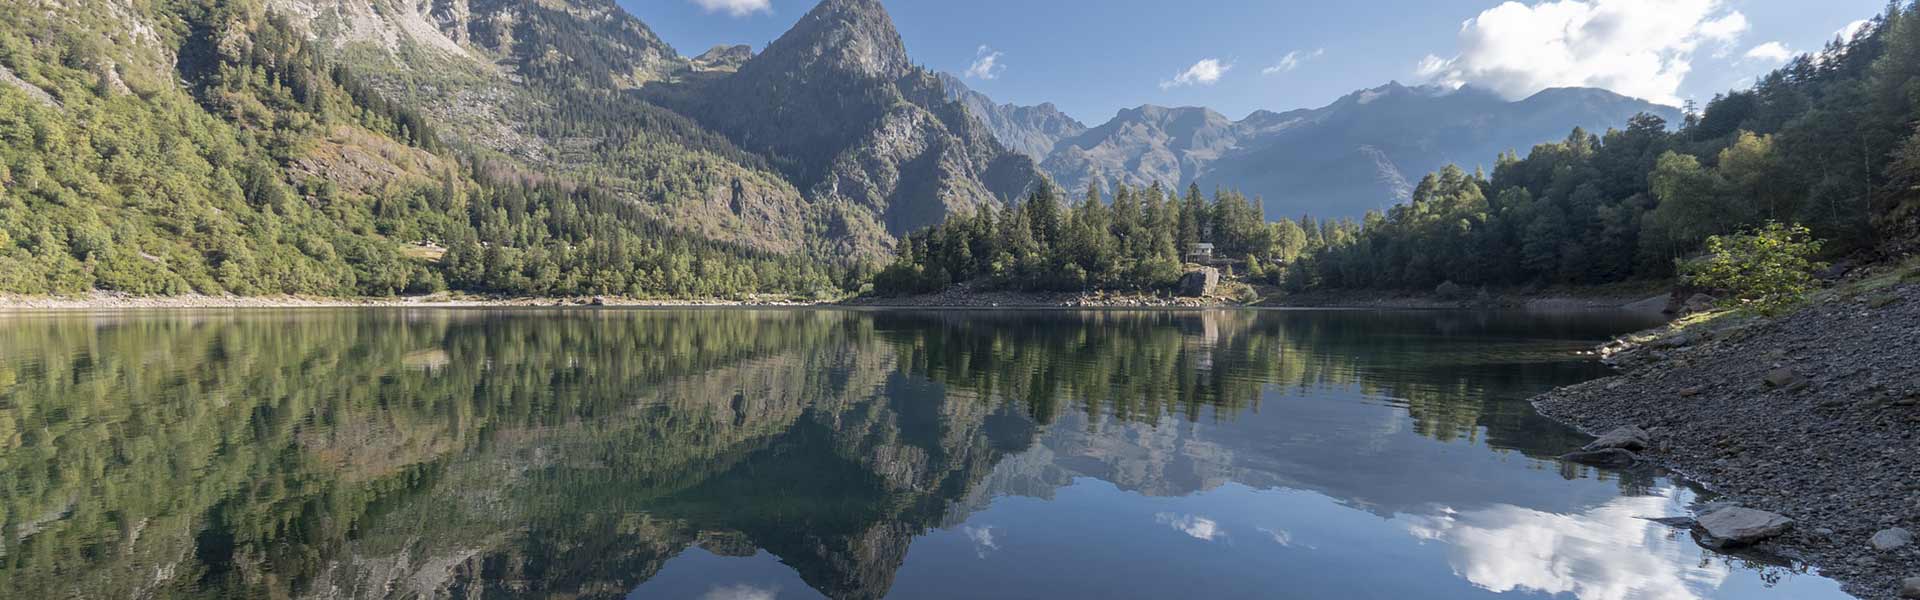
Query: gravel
[{"x": 1815, "y": 416}]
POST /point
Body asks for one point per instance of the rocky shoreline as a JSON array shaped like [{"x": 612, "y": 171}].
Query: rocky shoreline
[{"x": 1814, "y": 416}]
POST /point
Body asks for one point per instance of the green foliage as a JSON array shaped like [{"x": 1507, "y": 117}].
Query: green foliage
[
  {"x": 247, "y": 180},
  {"x": 1826, "y": 141},
  {"x": 1768, "y": 269},
  {"x": 1041, "y": 245}
]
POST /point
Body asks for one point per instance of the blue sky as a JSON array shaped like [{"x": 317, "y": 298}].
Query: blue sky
[{"x": 1094, "y": 57}]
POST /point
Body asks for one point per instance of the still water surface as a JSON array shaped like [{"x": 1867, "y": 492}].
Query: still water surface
[{"x": 752, "y": 454}]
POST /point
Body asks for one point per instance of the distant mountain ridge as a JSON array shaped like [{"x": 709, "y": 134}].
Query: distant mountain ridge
[{"x": 1358, "y": 153}]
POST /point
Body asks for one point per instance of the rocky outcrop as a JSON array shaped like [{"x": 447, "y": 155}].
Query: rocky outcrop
[
  {"x": 723, "y": 58},
  {"x": 1199, "y": 283}
]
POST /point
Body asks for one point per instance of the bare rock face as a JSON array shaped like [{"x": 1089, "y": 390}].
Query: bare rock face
[
  {"x": 1200, "y": 283},
  {"x": 723, "y": 58},
  {"x": 1735, "y": 526}
]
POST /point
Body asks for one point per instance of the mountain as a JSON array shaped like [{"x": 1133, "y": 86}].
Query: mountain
[
  {"x": 1029, "y": 130},
  {"x": 1359, "y": 153},
  {"x": 839, "y": 109}
]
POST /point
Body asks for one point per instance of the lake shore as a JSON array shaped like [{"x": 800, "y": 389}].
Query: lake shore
[
  {"x": 1814, "y": 415},
  {"x": 112, "y": 301},
  {"x": 1636, "y": 296}
]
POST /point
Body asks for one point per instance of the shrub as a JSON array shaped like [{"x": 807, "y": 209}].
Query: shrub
[{"x": 1769, "y": 269}]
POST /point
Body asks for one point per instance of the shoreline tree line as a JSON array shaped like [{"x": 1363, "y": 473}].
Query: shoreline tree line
[{"x": 1827, "y": 142}]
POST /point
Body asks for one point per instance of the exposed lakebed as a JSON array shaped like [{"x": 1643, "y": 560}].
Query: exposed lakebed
[{"x": 795, "y": 453}]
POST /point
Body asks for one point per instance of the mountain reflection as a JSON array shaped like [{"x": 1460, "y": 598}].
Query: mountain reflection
[{"x": 494, "y": 454}]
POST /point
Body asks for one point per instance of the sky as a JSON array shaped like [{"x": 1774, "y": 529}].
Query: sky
[{"x": 1093, "y": 58}]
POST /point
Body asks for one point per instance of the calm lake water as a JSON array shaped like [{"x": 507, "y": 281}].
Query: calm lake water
[{"x": 752, "y": 454}]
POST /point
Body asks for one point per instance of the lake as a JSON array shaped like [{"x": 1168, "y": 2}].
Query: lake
[{"x": 802, "y": 453}]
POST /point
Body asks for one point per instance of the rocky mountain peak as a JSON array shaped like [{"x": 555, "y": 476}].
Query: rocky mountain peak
[
  {"x": 723, "y": 58},
  {"x": 844, "y": 36}
]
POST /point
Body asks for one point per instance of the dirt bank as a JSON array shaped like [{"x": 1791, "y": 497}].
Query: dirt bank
[{"x": 1815, "y": 415}]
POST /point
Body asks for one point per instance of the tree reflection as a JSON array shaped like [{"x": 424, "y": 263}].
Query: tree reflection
[{"x": 524, "y": 453}]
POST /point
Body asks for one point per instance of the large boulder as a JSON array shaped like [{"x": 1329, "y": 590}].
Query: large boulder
[
  {"x": 1890, "y": 539},
  {"x": 1199, "y": 283},
  {"x": 1625, "y": 438},
  {"x": 1739, "y": 526}
]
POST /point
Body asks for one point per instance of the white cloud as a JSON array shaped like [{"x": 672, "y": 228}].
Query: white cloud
[
  {"x": 1292, "y": 61},
  {"x": 1280, "y": 536},
  {"x": 986, "y": 64},
  {"x": 1608, "y": 552},
  {"x": 736, "y": 8},
  {"x": 982, "y": 538},
  {"x": 1206, "y": 72},
  {"x": 741, "y": 592},
  {"x": 1641, "y": 48},
  {"x": 1773, "y": 52},
  {"x": 1197, "y": 527},
  {"x": 1851, "y": 29}
]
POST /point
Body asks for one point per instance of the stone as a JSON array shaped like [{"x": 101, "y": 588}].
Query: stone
[
  {"x": 1700, "y": 303},
  {"x": 1199, "y": 283},
  {"x": 1739, "y": 526},
  {"x": 1689, "y": 392},
  {"x": 599, "y": 301},
  {"x": 1626, "y": 438},
  {"x": 1910, "y": 588},
  {"x": 1784, "y": 378},
  {"x": 1613, "y": 458},
  {"x": 1890, "y": 539}
]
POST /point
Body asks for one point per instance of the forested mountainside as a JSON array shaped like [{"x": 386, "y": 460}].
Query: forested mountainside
[
  {"x": 1828, "y": 142},
  {"x": 1362, "y": 152},
  {"x": 512, "y": 146}
]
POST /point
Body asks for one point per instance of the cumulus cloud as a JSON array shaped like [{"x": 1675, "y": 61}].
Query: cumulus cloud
[
  {"x": 1197, "y": 527},
  {"x": 1608, "y": 552},
  {"x": 1641, "y": 48},
  {"x": 1206, "y": 72},
  {"x": 736, "y": 8},
  {"x": 986, "y": 64},
  {"x": 1773, "y": 52},
  {"x": 1292, "y": 61}
]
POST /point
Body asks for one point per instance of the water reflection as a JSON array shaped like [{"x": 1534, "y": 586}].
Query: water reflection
[{"x": 751, "y": 454}]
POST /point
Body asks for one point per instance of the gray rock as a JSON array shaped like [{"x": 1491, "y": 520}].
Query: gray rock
[
  {"x": 1890, "y": 539},
  {"x": 1739, "y": 526},
  {"x": 1783, "y": 378},
  {"x": 1910, "y": 588},
  {"x": 1613, "y": 458},
  {"x": 1700, "y": 303},
  {"x": 1200, "y": 283},
  {"x": 1625, "y": 438}
]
